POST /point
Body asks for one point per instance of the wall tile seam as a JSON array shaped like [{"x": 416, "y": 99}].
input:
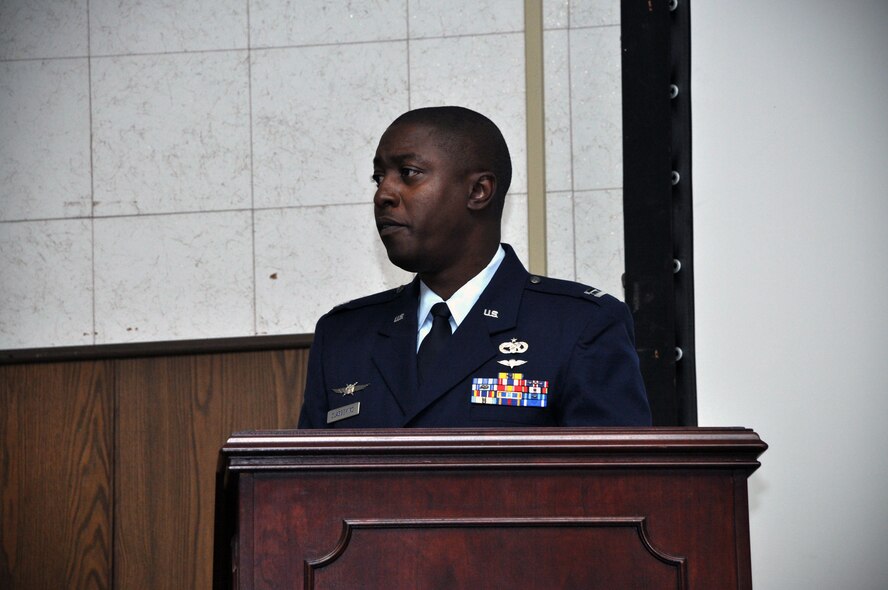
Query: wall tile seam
[
  {"x": 251, "y": 47},
  {"x": 92, "y": 183},
  {"x": 128, "y": 216},
  {"x": 581, "y": 28},
  {"x": 296, "y": 45},
  {"x": 254, "y": 301},
  {"x": 407, "y": 57},
  {"x": 289, "y": 46},
  {"x": 293, "y": 45},
  {"x": 570, "y": 118},
  {"x": 600, "y": 189},
  {"x": 51, "y": 58},
  {"x": 392, "y": 40},
  {"x": 168, "y": 53},
  {"x": 134, "y": 54},
  {"x": 467, "y": 35},
  {"x": 284, "y": 47},
  {"x": 368, "y": 202}
]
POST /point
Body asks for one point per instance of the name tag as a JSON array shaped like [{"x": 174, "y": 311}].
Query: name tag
[{"x": 344, "y": 412}]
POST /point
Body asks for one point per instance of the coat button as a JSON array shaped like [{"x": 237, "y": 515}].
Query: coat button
[{"x": 535, "y": 279}]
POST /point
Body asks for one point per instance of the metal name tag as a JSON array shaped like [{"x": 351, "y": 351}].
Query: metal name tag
[{"x": 343, "y": 412}]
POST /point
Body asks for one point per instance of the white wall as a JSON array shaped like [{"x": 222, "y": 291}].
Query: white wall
[
  {"x": 200, "y": 168},
  {"x": 790, "y": 122}
]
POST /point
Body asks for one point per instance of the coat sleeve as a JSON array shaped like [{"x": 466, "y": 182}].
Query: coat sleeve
[
  {"x": 314, "y": 402},
  {"x": 602, "y": 381}
]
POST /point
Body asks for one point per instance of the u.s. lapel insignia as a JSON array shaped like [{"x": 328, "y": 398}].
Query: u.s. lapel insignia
[
  {"x": 350, "y": 389},
  {"x": 491, "y": 313},
  {"x": 514, "y": 346},
  {"x": 398, "y": 318}
]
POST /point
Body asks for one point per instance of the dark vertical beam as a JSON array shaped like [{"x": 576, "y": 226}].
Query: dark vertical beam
[
  {"x": 682, "y": 212},
  {"x": 656, "y": 202}
]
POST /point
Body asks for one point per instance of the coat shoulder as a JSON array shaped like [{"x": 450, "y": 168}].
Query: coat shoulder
[
  {"x": 564, "y": 288},
  {"x": 380, "y": 298}
]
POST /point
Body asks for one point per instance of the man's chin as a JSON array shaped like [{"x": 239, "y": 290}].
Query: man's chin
[
  {"x": 409, "y": 253},
  {"x": 404, "y": 262}
]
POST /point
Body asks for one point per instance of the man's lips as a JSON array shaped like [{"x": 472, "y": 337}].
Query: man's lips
[{"x": 387, "y": 225}]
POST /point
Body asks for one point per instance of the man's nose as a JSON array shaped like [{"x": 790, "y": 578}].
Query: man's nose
[{"x": 386, "y": 195}]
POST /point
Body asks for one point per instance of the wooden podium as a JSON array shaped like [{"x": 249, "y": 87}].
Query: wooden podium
[{"x": 519, "y": 509}]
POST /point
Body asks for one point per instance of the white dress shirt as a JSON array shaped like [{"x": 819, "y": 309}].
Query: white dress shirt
[{"x": 460, "y": 303}]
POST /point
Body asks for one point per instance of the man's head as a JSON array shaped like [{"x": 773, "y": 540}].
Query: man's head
[
  {"x": 442, "y": 174},
  {"x": 470, "y": 138}
]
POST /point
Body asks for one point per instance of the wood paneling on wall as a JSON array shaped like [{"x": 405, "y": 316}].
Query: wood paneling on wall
[
  {"x": 107, "y": 467},
  {"x": 56, "y": 475}
]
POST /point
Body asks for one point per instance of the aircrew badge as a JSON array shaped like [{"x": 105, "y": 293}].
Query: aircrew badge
[
  {"x": 512, "y": 363},
  {"x": 510, "y": 389},
  {"x": 350, "y": 389}
]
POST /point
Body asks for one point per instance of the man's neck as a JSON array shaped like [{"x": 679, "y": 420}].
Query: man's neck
[
  {"x": 448, "y": 281},
  {"x": 461, "y": 302}
]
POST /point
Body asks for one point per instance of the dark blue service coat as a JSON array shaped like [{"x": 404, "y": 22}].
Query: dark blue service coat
[{"x": 575, "y": 339}]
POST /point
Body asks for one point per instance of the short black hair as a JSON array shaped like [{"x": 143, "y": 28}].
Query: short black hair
[{"x": 469, "y": 136}]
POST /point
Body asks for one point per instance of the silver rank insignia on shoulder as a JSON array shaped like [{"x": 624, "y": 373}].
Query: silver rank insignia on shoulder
[
  {"x": 350, "y": 389},
  {"x": 594, "y": 292}
]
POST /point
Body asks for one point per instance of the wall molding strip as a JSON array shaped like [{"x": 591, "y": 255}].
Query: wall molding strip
[{"x": 534, "y": 83}]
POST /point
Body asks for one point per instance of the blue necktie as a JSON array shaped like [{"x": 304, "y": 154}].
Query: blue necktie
[{"x": 435, "y": 341}]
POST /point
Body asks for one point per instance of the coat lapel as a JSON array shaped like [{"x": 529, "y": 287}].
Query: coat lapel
[
  {"x": 475, "y": 342},
  {"x": 395, "y": 351}
]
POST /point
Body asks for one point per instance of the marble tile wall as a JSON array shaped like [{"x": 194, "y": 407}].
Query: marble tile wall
[
  {"x": 584, "y": 153},
  {"x": 200, "y": 169}
]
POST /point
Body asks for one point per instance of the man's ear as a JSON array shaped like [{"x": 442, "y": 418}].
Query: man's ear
[{"x": 483, "y": 189}]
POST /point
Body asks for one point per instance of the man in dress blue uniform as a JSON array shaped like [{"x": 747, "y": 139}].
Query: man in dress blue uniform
[{"x": 474, "y": 340}]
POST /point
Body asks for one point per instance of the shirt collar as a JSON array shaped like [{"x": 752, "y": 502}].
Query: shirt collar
[{"x": 461, "y": 302}]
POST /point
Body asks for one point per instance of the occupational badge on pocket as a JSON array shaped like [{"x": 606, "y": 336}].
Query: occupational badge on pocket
[{"x": 513, "y": 346}]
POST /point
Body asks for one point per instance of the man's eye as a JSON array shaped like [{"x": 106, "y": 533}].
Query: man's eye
[
  {"x": 376, "y": 178},
  {"x": 409, "y": 172}
]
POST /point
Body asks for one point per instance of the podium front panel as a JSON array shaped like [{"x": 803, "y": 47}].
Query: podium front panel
[{"x": 550, "y": 508}]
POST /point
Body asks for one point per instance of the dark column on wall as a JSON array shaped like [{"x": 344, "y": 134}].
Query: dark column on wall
[{"x": 657, "y": 201}]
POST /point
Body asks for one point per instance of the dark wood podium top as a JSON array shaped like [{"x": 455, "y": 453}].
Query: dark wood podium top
[{"x": 587, "y": 447}]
